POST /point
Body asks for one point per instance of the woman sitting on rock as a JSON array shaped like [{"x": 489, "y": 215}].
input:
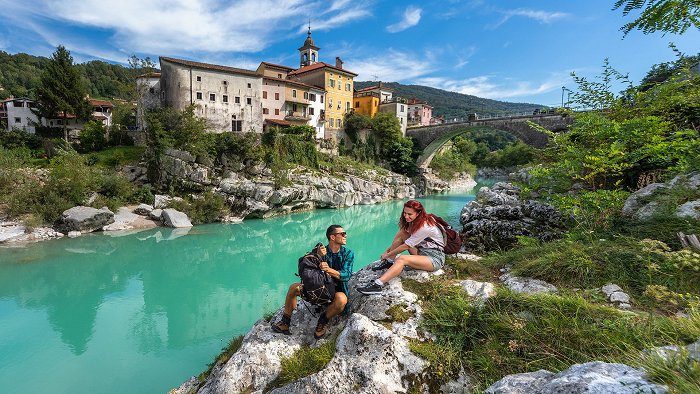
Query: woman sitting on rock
[{"x": 420, "y": 235}]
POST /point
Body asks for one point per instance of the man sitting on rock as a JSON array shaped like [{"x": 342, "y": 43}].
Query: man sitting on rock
[{"x": 337, "y": 262}]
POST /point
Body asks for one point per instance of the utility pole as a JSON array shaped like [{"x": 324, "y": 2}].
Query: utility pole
[{"x": 563, "y": 88}]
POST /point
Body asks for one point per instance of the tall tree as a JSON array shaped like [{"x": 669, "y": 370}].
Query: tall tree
[
  {"x": 668, "y": 16},
  {"x": 61, "y": 92}
]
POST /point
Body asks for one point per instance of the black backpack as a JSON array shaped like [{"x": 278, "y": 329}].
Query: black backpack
[
  {"x": 317, "y": 287},
  {"x": 453, "y": 242}
]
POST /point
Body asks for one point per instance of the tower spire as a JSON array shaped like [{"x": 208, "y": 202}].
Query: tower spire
[{"x": 308, "y": 53}]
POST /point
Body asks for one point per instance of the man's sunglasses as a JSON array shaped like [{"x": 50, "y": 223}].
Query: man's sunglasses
[{"x": 344, "y": 234}]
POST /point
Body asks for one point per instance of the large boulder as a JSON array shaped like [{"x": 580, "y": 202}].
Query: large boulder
[
  {"x": 174, "y": 218},
  {"x": 496, "y": 217},
  {"x": 84, "y": 219},
  {"x": 589, "y": 378},
  {"x": 646, "y": 204}
]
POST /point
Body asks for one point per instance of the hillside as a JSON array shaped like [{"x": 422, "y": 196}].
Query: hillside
[
  {"x": 451, "y": 104},
  {"x": 20, "y": 73}
]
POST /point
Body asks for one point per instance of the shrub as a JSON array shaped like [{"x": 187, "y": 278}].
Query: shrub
[
  {"x": 304, "y": 362},
  {"x": 208, "y": 207},
  {"x": 92, "y": 137},
  {"x": 18, "y": 138}
]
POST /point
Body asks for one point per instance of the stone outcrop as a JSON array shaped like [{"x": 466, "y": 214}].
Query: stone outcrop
[
  {"x": 14, "y": 232},
  {"x": 593, "y": 377},
  {"x": 174, "y": 218},
  {"x": 644, "y": 204},
  {"x": 431, "y": 183},
  {"x": 526, "y": 285},
  {"x": 84, "y": 219},
  {"x": 616, "y": 296},
  {"x": 371, "y": 355},
  {"x": 252, "y": 191},
  {"x": 497, "y": 217}
]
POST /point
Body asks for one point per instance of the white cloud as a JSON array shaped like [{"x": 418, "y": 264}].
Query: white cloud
[
  {"x": 487, "y": 87},
  {"x": 540, "y": 16},
  {"x": 177, "y": 27},
  {"x": 411, "y": 17},
  {"x": 392, "y": 66}
]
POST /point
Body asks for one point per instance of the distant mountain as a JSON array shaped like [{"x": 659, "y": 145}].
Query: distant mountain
[{"x": 451, "y": 104}]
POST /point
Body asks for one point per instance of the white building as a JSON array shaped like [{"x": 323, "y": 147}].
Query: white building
[
  {"x": 228, "y": 98},
  {"x": 16, "y": 113}
]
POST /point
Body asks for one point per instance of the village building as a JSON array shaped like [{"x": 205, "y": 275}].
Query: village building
[
  {"x": 334, "y": 80},
  {"x": 228, "y": 98},
  {"x": 148, "y": 96},
  {"x": 378, "y": 98},
  {"x": 419, "y": 113},
  {"x": 16, "y": 113}
]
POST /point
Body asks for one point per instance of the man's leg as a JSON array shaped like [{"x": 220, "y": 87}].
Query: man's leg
[
  {"x": 414, "y": 261},
  {"x": 290, "y": 303},
  {"x": 335, "y": 308}
]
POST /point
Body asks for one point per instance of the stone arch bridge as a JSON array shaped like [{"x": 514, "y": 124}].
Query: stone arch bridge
[{"x": 431, "y": 138}]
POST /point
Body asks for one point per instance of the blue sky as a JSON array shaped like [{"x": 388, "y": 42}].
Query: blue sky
[{"x": 520, "y": 51}]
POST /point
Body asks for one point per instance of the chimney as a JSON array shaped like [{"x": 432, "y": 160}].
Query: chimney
[{"x": 338, "y": 62}]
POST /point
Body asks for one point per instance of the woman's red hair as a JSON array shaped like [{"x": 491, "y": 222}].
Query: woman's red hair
[{"x": 420, "y": 220}]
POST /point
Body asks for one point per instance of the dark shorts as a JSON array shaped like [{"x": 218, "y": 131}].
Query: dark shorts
[{"x": 436, "y": 256}]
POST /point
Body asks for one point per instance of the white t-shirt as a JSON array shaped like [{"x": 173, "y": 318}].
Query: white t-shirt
[{"x": 419, "y": 239}]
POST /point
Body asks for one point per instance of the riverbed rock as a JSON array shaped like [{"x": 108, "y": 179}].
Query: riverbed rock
[
  {"x": 143, "y": 209},
  {"x": 495, "y": 219},
  {"x": 84, "y": 219},
  {"x": 174, "y": 218},
  {"x": 592, "y": 377}
]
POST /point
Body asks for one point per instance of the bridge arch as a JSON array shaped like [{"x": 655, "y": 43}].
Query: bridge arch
[{"x": 431, "y": 138}]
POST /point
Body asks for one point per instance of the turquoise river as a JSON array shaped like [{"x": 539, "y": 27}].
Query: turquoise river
[{"x": 142, "y": 312}]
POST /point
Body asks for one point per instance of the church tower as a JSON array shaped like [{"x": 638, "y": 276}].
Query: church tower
[{"x": 308, "y": 54}]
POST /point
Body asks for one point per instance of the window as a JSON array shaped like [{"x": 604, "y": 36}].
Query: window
[
  {"x": 199, "y": 95},
  {"x": 212, "y": 97},
  {"x": 199, "y": 78},
  {"x": 279, "y": 76},
  {"x": 311, "y": 111},
  {"x": 225, "y": 98},
  {"x": 306, "y": 95},
  {"x": 295, "y": 108},
  {"x": 330, "y": 122},
  {"x": 347, "y": 87},
  {"x": 277, "y": 96},
  {"x": 347, "y": 106},
  {"x": 331, "y": 82},
  {"x": 294, "y": 93},
  {"x": 402, "y": 109},
  {"x": 264, "y": 94},
  {"x": 312, "y": 97},
  {"x": 225, "y": 83},
  {"x": 321, "y": 99},
  {"x": 237, "y": 100},
  {"x": 340, "y": 85},
  {"x": 18, "y": 120},
  {"x": 330, "y": 102},
  {"x": 357, "y": 104},
  {"x": 236, "y": 125},
  {"x": 151, "y": 90},
  {"x": 250, "y": 86},
  {"x": 277, "y": 111},
  {"x": 249, "y": 101},
  {"x": 340, "y": 123},
  {"x": 266, "y": 111}
]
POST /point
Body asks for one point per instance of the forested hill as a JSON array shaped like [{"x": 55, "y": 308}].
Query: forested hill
[
  {"x": 19, "y": 76},
  {"x": 451, "y": 104}
]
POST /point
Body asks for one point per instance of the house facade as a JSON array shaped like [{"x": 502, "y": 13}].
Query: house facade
[
  {"x": 148, "y": 96},
  {"x": 16, "y": 113},
  {"x": 419, "y": 113},
  {"x": 378, "y": 98},
  {"x": 228, "y": 98}
]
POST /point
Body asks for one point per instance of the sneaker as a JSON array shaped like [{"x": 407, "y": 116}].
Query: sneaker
[
  {"x": 321, "y": 330},
  {"x": 370, "y": 289},
  {"x": 384, "y": 264}
]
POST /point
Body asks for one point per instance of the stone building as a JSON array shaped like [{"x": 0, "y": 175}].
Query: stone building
[
  {"x": 228, "y": 98},
  {"x": 147, "y": 96}
]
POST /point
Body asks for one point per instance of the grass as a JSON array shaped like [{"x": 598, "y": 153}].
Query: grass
[
  {"x": 232, "y": 347},
  {"x": 515, "y": 333},
  {"x": 470, "y": 269},
  {"x": 304, "y": 362},
  {"x": 117, "y": 156},
  {"x": 679, "y": 371},
  {"x": 399, "y": 313}
]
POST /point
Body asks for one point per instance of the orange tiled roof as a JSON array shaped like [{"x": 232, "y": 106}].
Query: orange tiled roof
[
  {"x": 279, "y": 66},
  {"x": 100, "y": 103},
  {"x": 278, "y": 122},
  {"x": 207, "y": 66},
  {"x": 154, "y": 74},
  {"x": 293, "y": 82},
  {"x": 375, "y": 87},
  {"x": 320, "y": 65}
]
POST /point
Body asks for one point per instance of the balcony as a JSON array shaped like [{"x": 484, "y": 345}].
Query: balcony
[{"x": 296, "y": 115}]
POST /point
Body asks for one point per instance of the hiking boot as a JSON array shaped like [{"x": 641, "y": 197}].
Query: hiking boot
[
  {"x": 282, "y": 326},
  {"x": 384, "y": 264},
  {"x": 321, "y": 327},
  {"x": 372, "y": 288}
]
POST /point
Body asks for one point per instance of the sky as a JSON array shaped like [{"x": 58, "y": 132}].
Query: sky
[{"x": 510, "y": 50}]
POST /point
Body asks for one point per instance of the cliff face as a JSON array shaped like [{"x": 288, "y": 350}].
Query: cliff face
[{"x": 253, "y": 191}]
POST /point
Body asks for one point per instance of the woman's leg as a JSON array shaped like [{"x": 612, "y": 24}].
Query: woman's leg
[{"x": 414, "y": 261}]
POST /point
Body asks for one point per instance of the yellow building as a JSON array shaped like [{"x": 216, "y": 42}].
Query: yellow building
[
  {"x": 366, "y": 103},
  {"x": 335, "y": 80}
]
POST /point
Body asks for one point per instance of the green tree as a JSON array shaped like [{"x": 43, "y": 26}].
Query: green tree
[
  {"x": 598, "y": 94},
  {"x": 386, "y": 128},
  {"x": 354, "y": 122},
  {"x": 668, "y": 16},
  {"x": 61, "y": 92},
  {"x": 92, "y": 137},
  {"x": 398, "y": 155}
]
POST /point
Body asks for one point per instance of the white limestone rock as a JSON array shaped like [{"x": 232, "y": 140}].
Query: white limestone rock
[
  {"x": 369, "y": 359},
  {"x": 620, "y": 297},
  {"x": 690, "y": 209},
  {"x": 610, "y": 288},
  {"x": 84, "y": 219},
  {"x": 481, "y": 290},
  {"x": 175, "y": 218},
  {"x": 156, "y": 214},
  {"x": 143, "y": 209},
  {"x": 124, "y": 219},
  {"x": 527, "y": 285},
  {"x": 590, "y": 378}
]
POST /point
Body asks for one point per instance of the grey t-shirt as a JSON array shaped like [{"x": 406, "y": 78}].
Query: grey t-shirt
[{"x": 426, "y": 237}]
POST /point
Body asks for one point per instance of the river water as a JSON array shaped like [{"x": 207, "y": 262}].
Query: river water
[{"x": 142, "y": 312}]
